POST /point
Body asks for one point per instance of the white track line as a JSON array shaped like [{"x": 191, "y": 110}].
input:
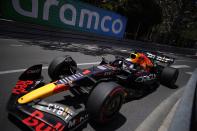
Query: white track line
[
  {"x": 180, "y": 66},
  {"x": 185, "y": 60},
  {"x": 92, "y": 63},
  {"x": 44, "y": 68},
  {"x": 5, "y": 19},
  {"x": 189, "y": 73},
  {"x": 11, "y": 71}
]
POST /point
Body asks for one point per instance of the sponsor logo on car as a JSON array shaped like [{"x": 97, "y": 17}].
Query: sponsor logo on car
[
  {"x": 21, "y": 87},
  {"x": 33, "y": 71},
  {"x": 61, "y": 111},
  {"x": 145, "y": 78},
  {"x": 108, "y": 73},
  {"x": 77, "y": 120},
  {"x": 34, "y": 121},
  {"x": 159, "y": 58},
  {"x": 101, "y": 67}
]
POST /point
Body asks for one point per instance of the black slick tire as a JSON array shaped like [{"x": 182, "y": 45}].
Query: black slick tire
[
  {"x": 105, "y": 101},
  {"x": 63, "y": 65},
  {"x": 169, "y": 76}
]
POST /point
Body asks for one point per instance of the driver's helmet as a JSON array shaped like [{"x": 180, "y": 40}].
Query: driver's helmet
[{"x": 134, "y": 56}]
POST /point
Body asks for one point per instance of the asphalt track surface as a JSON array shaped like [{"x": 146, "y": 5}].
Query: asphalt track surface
[{"x": 17, "y": 55}]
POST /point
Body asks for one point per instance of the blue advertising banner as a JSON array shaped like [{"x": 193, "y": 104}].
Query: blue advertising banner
[{"x": 66, "y": 14}]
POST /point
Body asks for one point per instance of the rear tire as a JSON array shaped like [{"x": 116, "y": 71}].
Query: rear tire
[
  {"x": 105, "y": 101},
  {"x": 169, "y": 76},
  {"x": 64, "y": 65}
]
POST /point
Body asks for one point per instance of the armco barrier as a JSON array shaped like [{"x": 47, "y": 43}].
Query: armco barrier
[
  {"x": 37, "y": 32},
  {"x": 194, "y": 116},
  {"x": 182, "y": 120}
]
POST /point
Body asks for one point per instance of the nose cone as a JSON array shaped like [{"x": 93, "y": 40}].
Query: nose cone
[{"x": 41, "y": 92}]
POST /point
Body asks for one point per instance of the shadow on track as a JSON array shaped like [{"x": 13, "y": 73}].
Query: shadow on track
[
  {"x": 115, "y": 124},
  {"x": 18, "y": 123},
  {"x": 76, "y": 101}
]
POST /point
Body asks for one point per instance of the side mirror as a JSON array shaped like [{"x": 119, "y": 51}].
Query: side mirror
[{"x": 103, "y": 61}]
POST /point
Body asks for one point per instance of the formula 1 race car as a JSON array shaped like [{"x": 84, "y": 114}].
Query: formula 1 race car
[{"x": 103, "y": 88}]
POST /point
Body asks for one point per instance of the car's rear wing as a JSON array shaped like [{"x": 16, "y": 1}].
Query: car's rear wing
[{"x": 160, "y": 58}]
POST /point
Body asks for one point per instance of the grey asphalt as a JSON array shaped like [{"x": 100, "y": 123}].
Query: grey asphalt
[{"x": 19, "y": 54}]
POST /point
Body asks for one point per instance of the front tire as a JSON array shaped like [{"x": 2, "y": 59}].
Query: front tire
[
  {"x": 105, "y": 101},
  {"x": 63, "y": 65}
]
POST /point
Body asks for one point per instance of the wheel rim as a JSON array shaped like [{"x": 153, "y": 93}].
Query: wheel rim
[
  {"x": 67, "y": 70},
  {"x": 174, "y": 78},
  {"x": 112, "y": 106}
]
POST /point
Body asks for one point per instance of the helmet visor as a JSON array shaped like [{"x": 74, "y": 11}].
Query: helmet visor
[{"x": 133, "y": 56}]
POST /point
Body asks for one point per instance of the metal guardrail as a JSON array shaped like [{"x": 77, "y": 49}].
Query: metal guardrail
[
  {"x": 194, "y": 116},
  {"x": 37, "y": 32},
  {"x": 182, "y": 120}
]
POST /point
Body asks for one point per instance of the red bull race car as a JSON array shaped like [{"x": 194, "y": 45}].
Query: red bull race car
[{"x": 104, "y": 88}]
